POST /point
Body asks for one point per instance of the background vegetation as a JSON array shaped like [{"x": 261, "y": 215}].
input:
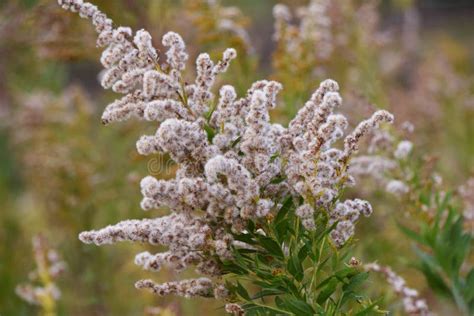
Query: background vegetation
[{"x": 62, "y": 172}]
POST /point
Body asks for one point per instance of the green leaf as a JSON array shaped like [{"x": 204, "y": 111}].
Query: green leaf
[
  {"x": 268, "y": 292},
  {"x": 348, "y": 272},
  {"x": 369, "y": 310},
  {"x": 236, "y": 141},
  {"x": 326, "y": 232},
  {"x": 271, "y": 246},
  {"x": 285, "y": 208},
  {"x": 434, "y": 280},
  {"x": 469, "y": 295},
  {"x": 322, "y": 264},
  {"x": 295, "y": 267},
  {"x": 233, "y": 268},
  {"x": 246, "y": 238},
  {"x": 355, "y": 281},
  {"x": 239, "y": 289},
  {"x": 251, "y": 227},
  {"x": 252, "y": 309},
  {"x": 210, "y": 132},
  {"x": 282, "y": 230},
  {"x": 291, "y": 286},
  {"x": 303, "y": 253},
  {"x": 297, "y": 307},
  {"x": 274, "y": 156},
  {"x": 412, "y": 234},
  {"x": 327, "y": 291},
  {"x": 261, "y": 268},
  {"x": 245, "y": 252},
  {"x": 278, "y": 179}
]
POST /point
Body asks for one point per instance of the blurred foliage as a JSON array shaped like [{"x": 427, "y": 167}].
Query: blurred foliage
[
  {"x": 61, "y": 172},
  {"x": 447, "y": 250}
]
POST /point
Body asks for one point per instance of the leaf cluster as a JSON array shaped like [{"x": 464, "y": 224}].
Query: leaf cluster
[
  {"x": 291, "y": 271},
  {"x": 443, "y": 248}
]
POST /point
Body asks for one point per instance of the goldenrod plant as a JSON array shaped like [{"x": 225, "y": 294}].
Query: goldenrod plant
[
  {"x": 340, "y": 39},
  {"x": 442, "y": 238},
  {"x": 268, "y": 189},
  {"x": 438, "y": 223},
  {"x": 49, "y": 267},
  {"x": 251, "y": 200}
]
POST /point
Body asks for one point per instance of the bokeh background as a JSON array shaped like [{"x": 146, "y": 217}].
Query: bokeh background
[{"x": 62, "y": 172}]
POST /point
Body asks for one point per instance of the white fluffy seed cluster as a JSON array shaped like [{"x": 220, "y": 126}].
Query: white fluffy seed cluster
[
  {"x": 384, "y": 163},
  {"x": 351, "y": 142},
  {"x": 312, "y": 35},
  {"x": 466, "y": 191},
  {"x": 34, "y": 295},
  {"x": 404, "y": 149},
  {"x": 412, "y": 303},
  {"x": 375, "y": 166},
  {"x": 346, "y": 214},
  {"x": 397, "y": 187},
  {"x": 49, "y": 266},
  {"x": 234, "y": 164},
  {"x": 187, "y": 288},
  {"x": 306, "y": 213},
  {"x": 315, "y": 27},
  {"x": 133, "y": 68},
  {"x": 234, "y": 309}
]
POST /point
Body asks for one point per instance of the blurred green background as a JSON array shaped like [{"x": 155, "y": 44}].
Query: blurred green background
[{"x": 62, "y": 172}]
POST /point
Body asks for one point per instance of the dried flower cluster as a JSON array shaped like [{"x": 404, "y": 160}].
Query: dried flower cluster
[
  {"x": 234, "y": 309},
  {"x": 467, "y": 194},
  {"x": 315, "y": 26},
  {"x": 308, "y": 38},
  {"x": 346, "y": 214},
  {"x": 49, "y": 267},
  {"x": 235, "y": 166},
  {"x": 186, "y": 288},
  {"x": 41, "y": 150},
  {"x": 383, "y": 161},
  {"x": 412, "y": 303}
]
